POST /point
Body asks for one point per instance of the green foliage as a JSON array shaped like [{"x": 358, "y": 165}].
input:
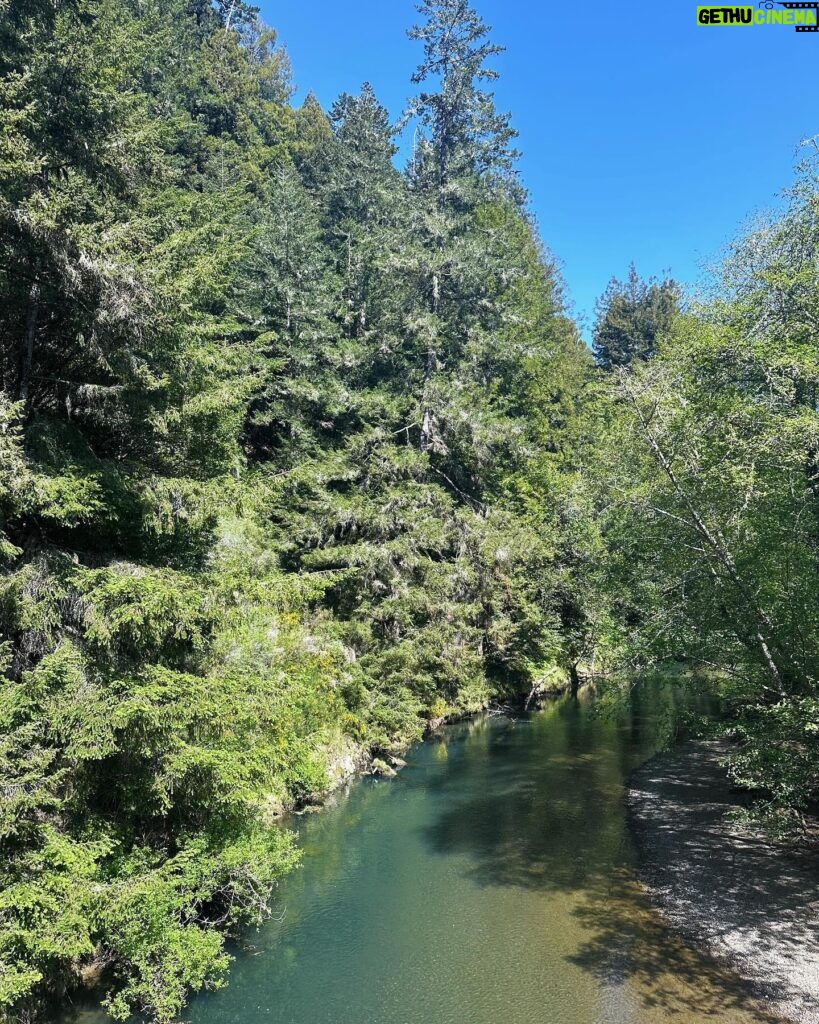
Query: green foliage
[
  {"x": 632, "y": 317},
  {"x": 708, "y": 492},
  {"x": 467, "y": 137},
  {"x": 299, "y": 453},
  {"x": 285, "y": 436},
  {"x": 166, "y": 920}
]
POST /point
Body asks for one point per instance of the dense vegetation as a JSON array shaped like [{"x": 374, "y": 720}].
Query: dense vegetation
[
  {"x": 709, "y": 501},
  {"x": 299, "y": 451},
  {"x": 273, "y": 493}
]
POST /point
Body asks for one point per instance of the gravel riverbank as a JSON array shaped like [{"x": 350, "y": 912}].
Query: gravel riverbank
[{"x": 727, "y": 889}]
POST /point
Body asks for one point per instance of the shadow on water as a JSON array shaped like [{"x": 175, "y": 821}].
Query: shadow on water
[
  {"x": 546, "y": 811},
  {"x": 627, "y": 939},
  {"x": 491, "y": 881},
  {"x": 547, "y": 815}
]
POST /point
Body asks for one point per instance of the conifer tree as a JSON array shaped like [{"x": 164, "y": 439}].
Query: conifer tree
[
  {"x": 271, "y": 483},
  {"x": 467, "y": 137},
  {"x": 631, "y": 318}
]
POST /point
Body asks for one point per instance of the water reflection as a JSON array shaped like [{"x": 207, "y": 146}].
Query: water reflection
[
  {"x": 538, "y": 802},
  {"x": 541, "y": 808},
  {"x": 490, "y": 882}
]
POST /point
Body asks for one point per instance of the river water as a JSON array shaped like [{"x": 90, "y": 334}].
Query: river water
[{"x": 490, "y": 883}]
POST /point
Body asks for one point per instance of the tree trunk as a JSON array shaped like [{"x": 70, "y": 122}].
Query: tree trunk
[
  {"x": 27, "y": 353},
  {"x": 426, "y": 426},
  {"x": 764, "y": 631},
  {"x": 574, "y": 679}
]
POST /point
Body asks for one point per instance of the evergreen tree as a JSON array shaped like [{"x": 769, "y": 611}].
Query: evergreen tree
[
  {"x": 467, "y": 137},
  {"x": 300, "y": 453},
  {"x": 631, "y": 318}
]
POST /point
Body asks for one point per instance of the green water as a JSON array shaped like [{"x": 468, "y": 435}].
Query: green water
[{"x": 490, "y": 882}]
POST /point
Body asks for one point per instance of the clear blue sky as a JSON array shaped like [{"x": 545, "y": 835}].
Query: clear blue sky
[{"x": 644, "y": 136}]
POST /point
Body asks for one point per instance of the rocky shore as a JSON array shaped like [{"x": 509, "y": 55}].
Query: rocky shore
[{"x": 728, "y": 889}]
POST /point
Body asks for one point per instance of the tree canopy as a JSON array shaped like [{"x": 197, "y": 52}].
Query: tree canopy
[
  {"x": 632, "y": 317},
  {"x": 301, "y": 454},
  {"x": 270, "y": 411}
]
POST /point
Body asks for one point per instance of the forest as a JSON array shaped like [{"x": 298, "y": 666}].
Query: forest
[{"x": 301, "y": 452}]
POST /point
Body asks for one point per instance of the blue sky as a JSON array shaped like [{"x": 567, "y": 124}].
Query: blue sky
[{"x": 644, "y": 136}]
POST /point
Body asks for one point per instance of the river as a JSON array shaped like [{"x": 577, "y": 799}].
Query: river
[{"x": 490, "y": 883}]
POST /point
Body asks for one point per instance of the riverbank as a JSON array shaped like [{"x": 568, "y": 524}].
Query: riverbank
[
  {"x": 492, "y": 880},
  {"x": 726, "y": 888}
]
